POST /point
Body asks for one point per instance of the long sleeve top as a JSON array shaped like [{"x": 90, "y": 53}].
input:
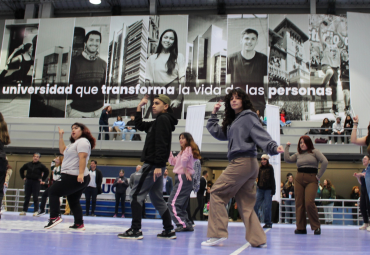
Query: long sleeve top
[
  {"x": 121, "y": 187},
  {"x": 266, "y": 179},
  {"x": 120, "y": 124},
  {"x": 337, "y": 127},
  {"x": 326, "y": 129},
  {"x": 183, "y": 160},
  {"x": 243, "y": 135},
  {"x": 309, "y": 160},
  {"x": 327, "y": 194}
]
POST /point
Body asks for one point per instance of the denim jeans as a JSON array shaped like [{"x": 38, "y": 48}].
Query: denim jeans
[
  {"x": 290, "y": 208},
  {"x": 131, "y": 131},
  {"x": 265, "y": 197},
  {"x": 328, "y": 210}
]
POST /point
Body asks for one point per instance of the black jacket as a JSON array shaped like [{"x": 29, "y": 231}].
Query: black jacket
[
  {"x": 327, "y": 126},
  {"x": 34, "y": 171},
  {"x": 287, "y": 190},
  {"x": 98, "y": 180},
  {"x": 158, "y": 140},
  {"x": 130, "y": 123},
  {"x": 266, "y": 179},
  {"x": 202, "y": 186},
  {"x": 169, "y": 185},
  {"x": 104, "y": 117},
  {"x": 121, "y": 187}
]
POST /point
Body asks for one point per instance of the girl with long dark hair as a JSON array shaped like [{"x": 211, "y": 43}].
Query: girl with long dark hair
[
  {"x": 75, "y": 175},
  {"x": 328, "y": 192},
  {"x": 362, "y": 142},
  {"x": 103, "y": 122},
  {"x": 184, "y": 169},
  {"x": 24, "y": 55},
  {"x": 4, "y": 140},
  {"x": 166, "y": 68},
  {"x": 306, "y": 182},
  {"x": 243, "y": 131}
]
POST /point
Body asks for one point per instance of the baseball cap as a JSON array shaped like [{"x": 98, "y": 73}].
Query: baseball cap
[{"x": 165, "y": 99}]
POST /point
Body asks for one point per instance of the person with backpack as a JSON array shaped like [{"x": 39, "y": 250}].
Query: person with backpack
[{"x": 184, "y": 170}]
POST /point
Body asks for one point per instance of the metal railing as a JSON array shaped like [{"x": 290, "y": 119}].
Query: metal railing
[{"x": 339, "y": 212}]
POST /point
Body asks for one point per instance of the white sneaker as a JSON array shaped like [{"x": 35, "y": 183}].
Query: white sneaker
[
  {"x": 35, "y": 214},
  {"x": 213, "y": 241},
  {"x": 114, "y": 139},
  {"x": 123, "y": 140},
  {"x": 342, "y": 143},
  {"x": 22, "y": 214},
  {"x": 336, "y": 143},
  {"x": 329, "y": 141},
  {"x": 364, "y": 226},
  {"x": 368, "y": 228}
]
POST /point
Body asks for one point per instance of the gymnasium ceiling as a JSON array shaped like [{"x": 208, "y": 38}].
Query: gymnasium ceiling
[{"x": 135, "y": 7}]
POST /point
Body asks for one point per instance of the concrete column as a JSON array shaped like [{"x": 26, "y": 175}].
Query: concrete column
[
  {"x": 30, "y": 11},
  {"x": 313, "y": 6},
  {"x": 153, "y": 7},
  {"x": 47, "y": 10}
]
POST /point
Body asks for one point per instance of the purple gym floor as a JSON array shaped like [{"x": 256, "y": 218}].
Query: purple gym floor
[{"x": 25, "y": 235}]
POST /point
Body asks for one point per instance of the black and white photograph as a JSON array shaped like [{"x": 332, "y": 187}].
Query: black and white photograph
[
  {"x": 206, "y": 60},
  {"x": 52, "y": 63},
  {"x": 88, "y": 67},
  {"x": 330, "y": 64},
  {"x": 166, "y": 66},
  {"x": 247, "y": 56},
  {"x": 17, "y": 66},
  {"x": 288, "y": 69}
]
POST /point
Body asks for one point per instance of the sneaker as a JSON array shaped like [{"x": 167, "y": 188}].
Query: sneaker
[
  {"x": 267, "y": 226},
  {"x": 131, "y": 234},
  {"x": 35, "y": 213},
  {"x": 317, "y": 231},
  {"x": 368, "y": 229},
  {"x": 167, "y": 234},
  {"x": 364, "y": 226},
  {"x": 93, "y": 215},
  {"x": 123, "y": 216},
  {"x": 342, "y": 143},
  {"x": 329, "y": 141},
  {"x": 114, "y": 139},
  {"x": 194, "y": 225},
  {"x": 182, "y": 229},
  {"x": 261, "y": 246},
  {"x": 39, "y": 213},
  {"x": 53, "y": 222},
  {"x": 336, "y": 143},
  {"x": 123, "y": 140},
  {"x": 300, "y": 232},
  {"x": 77, "y": 227},
  {"x": 22, "y": 214},
  {"x": 115, "y": 216},
  {"x": 213, "y": 241}
]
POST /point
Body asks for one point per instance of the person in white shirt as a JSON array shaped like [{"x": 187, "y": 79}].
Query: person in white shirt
[
  {"x": 338, "y": 130},
  {"x": 94, "y": 188},
  {"x": 75, "y": 175}
]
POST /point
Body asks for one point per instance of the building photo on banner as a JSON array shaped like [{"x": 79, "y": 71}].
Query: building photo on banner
[{"x": 75, "y": 67}]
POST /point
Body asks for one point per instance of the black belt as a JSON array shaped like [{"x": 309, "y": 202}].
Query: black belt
[{"x": 308, "y": 170}]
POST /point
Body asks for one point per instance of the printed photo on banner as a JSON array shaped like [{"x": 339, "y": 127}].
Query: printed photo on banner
[
  {"x": 17, "y": 66},
  {"x": 289, "y": 66},
  {"x": 247, "y": 57},
  {"x": 88, "y": 67},
  {"x": 329, "y": 65},
  {"x": 206, "y": 60},
  {"x": 52, "y": 62}
]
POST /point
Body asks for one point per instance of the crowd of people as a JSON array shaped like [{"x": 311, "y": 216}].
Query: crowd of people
[{"x": 71, "y": 177}]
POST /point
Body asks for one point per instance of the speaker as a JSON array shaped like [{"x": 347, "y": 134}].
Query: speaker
[
  {"x": 221, "y": 8},
  {"x": 116, "y": 10},
  {"x": 19, "y": 14}
]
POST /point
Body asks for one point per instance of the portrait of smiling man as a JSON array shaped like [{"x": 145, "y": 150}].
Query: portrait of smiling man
[
  {"x": 87, "y": 70},
  {"x": 248, "y": 67}
]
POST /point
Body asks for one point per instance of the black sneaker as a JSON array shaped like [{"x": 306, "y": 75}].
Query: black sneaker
[
  {"x": 267, "y": 226},
  {"x": 131, "y": 234},
  {"x": 182, "y": 229},
  {"x": 317, "y": 231},
  {"x": 53, "y": 222},
  {"x": 40, "y": 213},
  {"x": 167, "y": 234},
  {"x": 77, "y": 227},
  {"x": 300, "y": 232}
]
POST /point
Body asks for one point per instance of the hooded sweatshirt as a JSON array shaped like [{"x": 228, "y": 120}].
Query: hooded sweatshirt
[
  {"x": 158, "y": 140},
  {"x": 243, "y": 135},
  {"x": 183, "y": 160}
]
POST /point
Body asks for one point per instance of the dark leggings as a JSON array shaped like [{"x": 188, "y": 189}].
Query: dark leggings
[
  {"x": 189, "y": 212},
  {"x": 122, "y": 197},
  {"x": 106, "y": 130},
  {"x": 364, "y": 205},
  {"x": 200, "y": 207},
  {"x": 68, "y": 186}
]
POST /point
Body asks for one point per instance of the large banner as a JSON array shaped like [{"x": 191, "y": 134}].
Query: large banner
[{"x": 75, "y": 67}]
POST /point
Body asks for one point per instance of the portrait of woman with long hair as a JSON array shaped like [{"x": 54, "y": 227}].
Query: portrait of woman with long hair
[{"x": 166, "y": 68}]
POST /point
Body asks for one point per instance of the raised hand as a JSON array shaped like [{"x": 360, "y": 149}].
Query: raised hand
[
  {"x": 288, "y": 143},
  {"x": 355, "y": 119},
  {"x": 280, "y": 149},
  {"x": 217, "y": 107},
  {"x": 144, "y": 101},
  {"x": 61, "y": 131}
]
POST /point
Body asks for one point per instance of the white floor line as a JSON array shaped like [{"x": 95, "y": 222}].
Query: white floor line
[{"x": 245, "y": 246}]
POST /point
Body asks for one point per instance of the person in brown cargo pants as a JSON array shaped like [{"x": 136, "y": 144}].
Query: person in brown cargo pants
[
  {"x": 306, "y": 182},
  {"x": 243, "y": 131}
]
